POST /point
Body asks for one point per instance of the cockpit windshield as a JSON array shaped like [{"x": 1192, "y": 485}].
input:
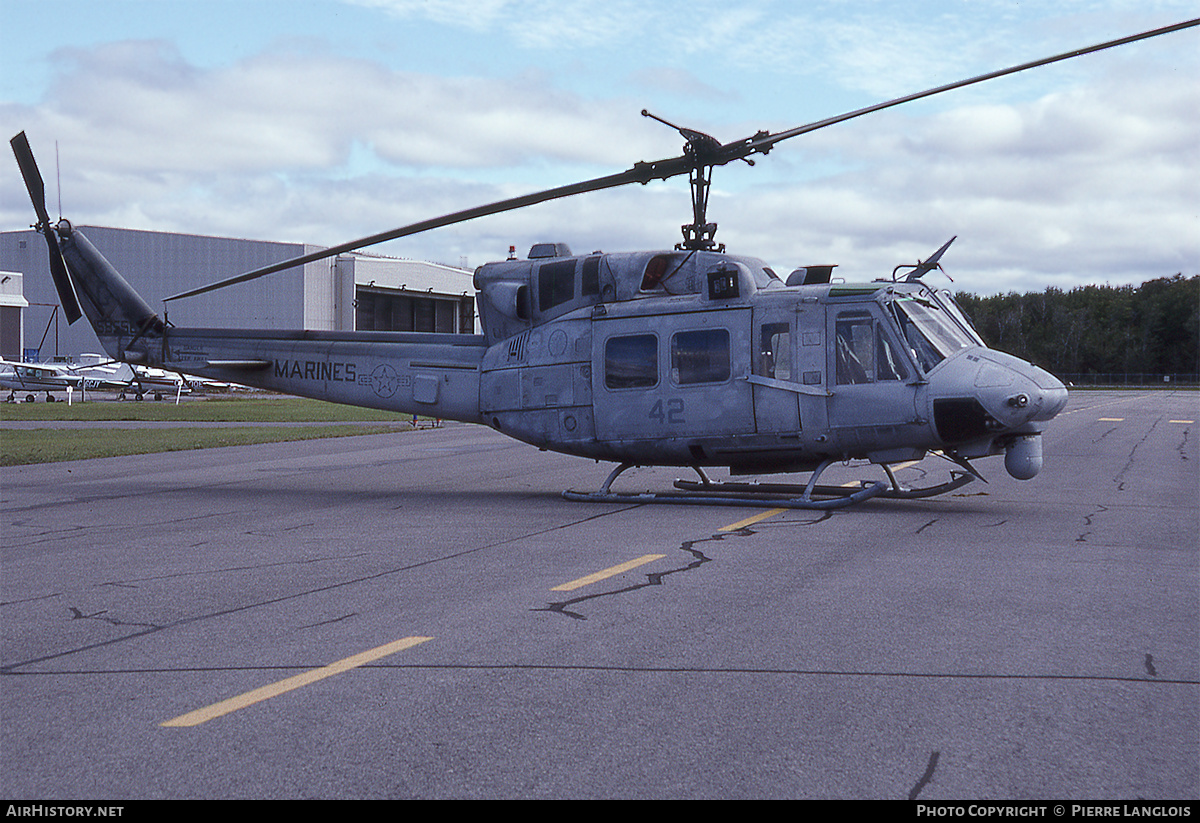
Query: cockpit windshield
[
  {"x": 947, "y": 301},
  {"x": 930, "y": 333}
]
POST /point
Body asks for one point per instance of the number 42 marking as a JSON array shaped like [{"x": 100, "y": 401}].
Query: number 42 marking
[{"x": 672, "y": 413}]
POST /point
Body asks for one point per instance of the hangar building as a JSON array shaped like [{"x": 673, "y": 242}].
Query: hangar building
[{"x": 351, "y": 291}]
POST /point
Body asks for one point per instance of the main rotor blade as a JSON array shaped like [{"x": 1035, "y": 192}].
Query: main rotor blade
[
  {"x": 37, "y": 193},
  {"x": 640, "y": 173},
  {"x": 764, "y": 143}
]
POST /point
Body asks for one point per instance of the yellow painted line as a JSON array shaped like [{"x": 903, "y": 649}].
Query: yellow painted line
[
  {"x": 1182, "y": 421},
  {"x": 275, "y": 689},
  {"x": 1111, "y": 419},
  {"x": 607, "y": 573},
  {"x": 758, "y": 518},
  {"x": 750, "y": 521}
]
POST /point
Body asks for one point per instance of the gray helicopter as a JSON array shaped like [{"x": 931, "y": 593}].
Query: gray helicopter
[{"x": 687, "y": 357}]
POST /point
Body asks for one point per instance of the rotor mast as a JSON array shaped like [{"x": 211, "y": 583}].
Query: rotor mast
[
  {"x": 703, "y": 152},
  {"x": 698, "y": 235}
]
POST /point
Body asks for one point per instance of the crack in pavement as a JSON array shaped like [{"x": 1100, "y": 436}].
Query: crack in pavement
[
  {"x": 652, "y": 578},
  {"x": 76, "y": 614},
  {"x": 1087, "y": 521},
  {"x": 657, "y": 578},
  {"x": 925, "y": 778},
  {"x": 1119, "y": 479},
  {"x": 329, "y": 621},
  {"x": 35, "y": 538}
]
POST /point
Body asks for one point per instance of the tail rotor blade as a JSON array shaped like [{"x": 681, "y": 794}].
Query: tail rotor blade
[
  {"x": 37, "y": 194},
  {"x": 33, "y": 178}
]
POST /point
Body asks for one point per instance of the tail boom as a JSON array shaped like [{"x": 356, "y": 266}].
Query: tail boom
[
  {"x": 429, "y": 374},
  {"x": 436, "y": 375}
]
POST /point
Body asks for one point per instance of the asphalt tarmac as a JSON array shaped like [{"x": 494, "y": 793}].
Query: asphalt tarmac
[{"x": 422, "y": 615}]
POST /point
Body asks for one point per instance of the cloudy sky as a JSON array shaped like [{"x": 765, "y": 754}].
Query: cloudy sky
[{"x": 320, "y": 121}]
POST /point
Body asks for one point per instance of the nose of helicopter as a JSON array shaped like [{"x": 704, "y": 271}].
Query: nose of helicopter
[
  {"x": 1016, "y": 392},
  {"x": 1011, "y": 391},
  {"x": 988, "y": 396}
]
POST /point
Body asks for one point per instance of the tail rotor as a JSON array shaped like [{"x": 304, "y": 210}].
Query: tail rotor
[{"x": 37, "y": 194}]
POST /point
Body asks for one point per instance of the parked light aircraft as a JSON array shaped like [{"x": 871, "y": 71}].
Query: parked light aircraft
[
  {"x": 125, "y": 380},
  {"x": 33, "y": 378},
  {"x": 684, "y": 357}
]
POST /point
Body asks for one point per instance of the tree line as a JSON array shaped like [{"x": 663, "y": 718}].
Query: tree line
[{"x": 1153, "y": 328}]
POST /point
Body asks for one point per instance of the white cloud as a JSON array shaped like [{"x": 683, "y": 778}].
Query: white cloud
[{"x": 1091, "y": 183}]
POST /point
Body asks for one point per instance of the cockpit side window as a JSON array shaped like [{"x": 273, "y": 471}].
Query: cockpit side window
[
  {"x": 854, "y": 338},
  {"x": 864, "y": 353},
  {"x": 889, "y": 365}
]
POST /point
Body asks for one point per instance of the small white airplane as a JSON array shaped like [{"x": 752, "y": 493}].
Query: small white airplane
[{"x": 32, "y": 378}]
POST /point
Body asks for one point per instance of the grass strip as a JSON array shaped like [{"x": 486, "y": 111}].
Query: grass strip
[
  {"x": 271, "y": 409},
  {"x": 19, "y": 447}
]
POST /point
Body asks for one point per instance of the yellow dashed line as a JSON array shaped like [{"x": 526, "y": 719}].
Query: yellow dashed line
[
  {"x": 275, "y": 689},
  {"x": 750, "y": 521},
  {"x": 607, "y": 573}
]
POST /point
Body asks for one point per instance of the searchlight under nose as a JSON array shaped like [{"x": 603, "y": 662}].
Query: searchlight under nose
[
  {"x": 1023, "y": 456},
  {"x": 1023, "y": 453}
]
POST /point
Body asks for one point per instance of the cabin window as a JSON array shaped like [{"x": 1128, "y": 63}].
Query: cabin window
[
  {"x": 631, "y": 362},
  {"x": 590, "y": 276},
  {"x": 775, "y": 351},
  {"x": 556, "y": 284},
  {"x": 700, "y": 357},
  {"x": 656, "y": 270}
]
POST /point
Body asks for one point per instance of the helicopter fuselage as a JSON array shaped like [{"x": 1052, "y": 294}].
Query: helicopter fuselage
[
  {"x": 677, "y": 357},
  {"x": 702, "y": 358}
]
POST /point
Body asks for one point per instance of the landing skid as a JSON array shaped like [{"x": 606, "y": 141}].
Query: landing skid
[{"x": 770, "y": 495}]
